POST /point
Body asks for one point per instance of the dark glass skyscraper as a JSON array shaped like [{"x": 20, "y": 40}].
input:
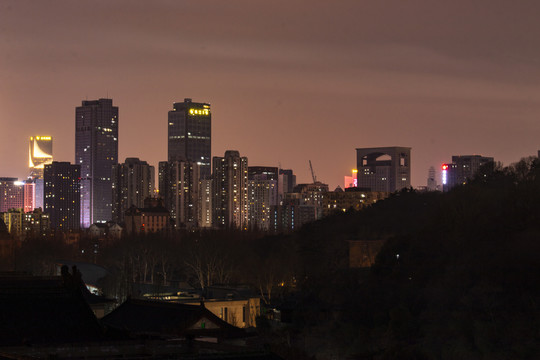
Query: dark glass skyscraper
[
  {"x": 96, "y": 151},
  {"x": 189, "y": 131}
]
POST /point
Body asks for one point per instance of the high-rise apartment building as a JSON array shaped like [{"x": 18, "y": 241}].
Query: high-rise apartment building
[
  {"x": 230, "y": 204},
  {"x": 189, "y": 134},
  {"x": 132, "y": 182},
  {"x": 179, "y": 188},
  {"x": 263, "y": 194},
  {"x": 11, "y": 194},
  {"x": 386, "y": 169},
  {"x": 96, "y": 151},
  {"x": 62, "y": 195}
]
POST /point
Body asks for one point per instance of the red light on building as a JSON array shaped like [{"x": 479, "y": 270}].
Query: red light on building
[{"x": 445, "y": 166}]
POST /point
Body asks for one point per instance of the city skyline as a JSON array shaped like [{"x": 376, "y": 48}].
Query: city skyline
[{"x": 312, "y": 83}]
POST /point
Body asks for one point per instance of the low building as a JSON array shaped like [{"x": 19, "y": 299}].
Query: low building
[
  {"x": 241, "y": 313},
  {"x": 351, "y": 198},
  {"x": 109, "y": 230},
  {"x": 21, "y": 224},
  {"x": 150, "y": 219}
]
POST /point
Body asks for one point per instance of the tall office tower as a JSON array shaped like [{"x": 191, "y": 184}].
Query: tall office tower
[
  {"x": 286, "y": 183},
  {"x": 63, "y": 195},
  {"x": 179, "y": 188},
  {"x": 11, "y": 194},
  {"x": 132, "y": 182},
  {"x": 39, "y": 154},
  {"x": 205, "y": 203},
  {"x": 230, "y": 194},
  {"x": 263, "y": 193},
  {"x": 431, "y": 181},
  {"x": 386, "y": 169},
  {"x": 189, "y": 134},
  {"x": 462, "y": 169},
  {"x": 96, "y": 151}
]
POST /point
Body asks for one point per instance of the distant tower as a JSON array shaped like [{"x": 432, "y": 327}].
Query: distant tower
[
  {"x": 40, "y": 154},
  {"x": 132, "y": 183},
  {"x": 286, "y": 183},
  {"x": 189, "y": 134},
  {"x": 431, "y": 181},
  {"x": 385, "y": 169},
  {"x": 230, "y": 194},
  {"x": 62, "y": 195},
  {"x": 96, "y": 151}
]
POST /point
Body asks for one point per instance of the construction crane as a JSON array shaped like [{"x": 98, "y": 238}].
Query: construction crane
[{"x": 312, "y": 172}]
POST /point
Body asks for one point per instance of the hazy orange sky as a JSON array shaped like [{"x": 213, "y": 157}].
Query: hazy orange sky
[{"x": 288, "y": 81}]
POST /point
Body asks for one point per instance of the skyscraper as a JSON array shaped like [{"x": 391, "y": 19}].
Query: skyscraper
[
  {"x": 96, "y": 151},
  {"x": 62, "y": 195},
  {"x": 263, "y": 194},
  {"x": 132, "y": 183},
  {"x": 39, "y": 154},
  {"x": 386, "y": 169},
  {"x": 230, "y": 194},
  {"x": 189, "y": 134}
]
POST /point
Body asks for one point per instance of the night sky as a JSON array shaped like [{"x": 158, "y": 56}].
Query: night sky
[{"x": 288, "y": 81}]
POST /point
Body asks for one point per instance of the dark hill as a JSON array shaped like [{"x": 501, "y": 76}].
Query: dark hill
[{"x": 457, "y": 278}]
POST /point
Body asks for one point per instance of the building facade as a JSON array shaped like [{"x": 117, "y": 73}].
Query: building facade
[
  {"x": 189, "y": 134},
  {"x": 179, "y": 188},
  {"x": 351, "y": 198},
  {"x": 63, "y": 195},
  {"x": 263, "y": 194},
  {"x": 286, "y": 183},
  {"x": 386, "y": 169},
  {"x": 22, "y": 224},
  {"x": 132, "y": 182},
  {"x": 96, "y": 151},
  {"x": 462, "y": 169},
  {"x": 153, "y": 218},
  {"x": 11, "y": 194},
  {"x": 230, "y": 203}
]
